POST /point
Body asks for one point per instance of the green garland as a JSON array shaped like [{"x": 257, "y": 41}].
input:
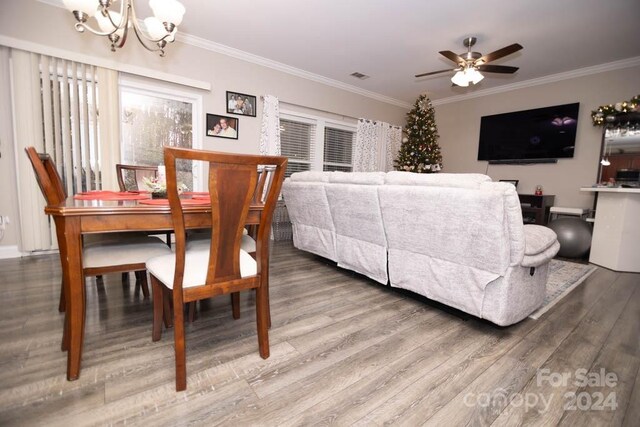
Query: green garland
[{"x": 608, "y": 113}]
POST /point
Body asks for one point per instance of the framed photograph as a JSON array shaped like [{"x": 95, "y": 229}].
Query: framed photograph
[
  {"x": 240, "y": 103},
  {"x": 511, "y": 181},
  {"x": 222, "y": 126}
]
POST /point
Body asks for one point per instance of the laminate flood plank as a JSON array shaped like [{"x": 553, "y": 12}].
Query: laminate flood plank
[
  {"x": 344, "y": 350},
  {"x": 329, "y": 353},
  {"x": 482, "y": 401},
  {"x": 618, "y": 358},
  {"x": 632, "y": 414},
  {"x": 359, "y": 399},
  {"x": 577, "y": 351},
  {"x": 558, "y": 322},
  {"x": 298, "y": 397},
  {"x": 421, "y": 400}
]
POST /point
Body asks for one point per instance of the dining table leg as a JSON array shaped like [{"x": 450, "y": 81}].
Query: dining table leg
[{"x": 68, "y": 230}]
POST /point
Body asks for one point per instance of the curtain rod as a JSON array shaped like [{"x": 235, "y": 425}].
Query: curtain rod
[
  {"x": 331, "y": 112},
  {"x": 375, "y": 121}
]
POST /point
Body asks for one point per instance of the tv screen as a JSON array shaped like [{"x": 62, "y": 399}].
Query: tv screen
[{"x": 526, "y": 136}]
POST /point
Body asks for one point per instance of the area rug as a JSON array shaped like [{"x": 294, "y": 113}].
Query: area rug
[{"x": 563, "y": 278}]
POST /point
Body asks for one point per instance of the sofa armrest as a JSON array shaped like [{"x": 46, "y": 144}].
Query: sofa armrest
[{"x": 541, "y": 244}]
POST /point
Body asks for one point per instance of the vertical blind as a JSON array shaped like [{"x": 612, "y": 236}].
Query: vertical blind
[
  {"x": 58, "y": 99},
  {"x": 297, "y": 141}
]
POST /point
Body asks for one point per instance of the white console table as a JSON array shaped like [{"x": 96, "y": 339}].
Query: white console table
[{"x": 616, "y": 231}]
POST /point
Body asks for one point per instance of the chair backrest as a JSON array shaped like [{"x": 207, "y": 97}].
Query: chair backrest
[
  {"x": 130, "y": 177},
  {"x": 47, "y": 176},
  {"x": 234, "y": 186}
]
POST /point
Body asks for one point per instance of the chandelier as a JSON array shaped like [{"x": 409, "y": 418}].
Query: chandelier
[{"x": 159, "y": 29}]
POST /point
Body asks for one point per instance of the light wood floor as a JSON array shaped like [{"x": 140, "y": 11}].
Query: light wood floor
[{"x": 344, "y": 351}]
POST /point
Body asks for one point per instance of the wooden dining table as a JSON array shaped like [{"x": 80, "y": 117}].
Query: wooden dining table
[{"x": 73, "y": 218}]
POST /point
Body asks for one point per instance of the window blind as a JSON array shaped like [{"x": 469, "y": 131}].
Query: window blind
[
  {"x": 338, "y": 150},
  {"x": 62, "y": 106},
  {"x": 297, "y": 141}
]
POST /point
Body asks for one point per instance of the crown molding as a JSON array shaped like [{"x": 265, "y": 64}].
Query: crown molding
[
  {"x": 581, "y": 72},
  {"x": 279, "y": 66}
]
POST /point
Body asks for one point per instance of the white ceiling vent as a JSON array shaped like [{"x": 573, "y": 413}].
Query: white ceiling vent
[{"x": 360, "y": 76}]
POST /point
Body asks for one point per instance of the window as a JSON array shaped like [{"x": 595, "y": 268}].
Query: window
[
  {"x": 297, "y": 143},
  {"x": 315, "y": 143},
  {"x": 338, "y": 149},
  {"x": 151, "y": 118}
]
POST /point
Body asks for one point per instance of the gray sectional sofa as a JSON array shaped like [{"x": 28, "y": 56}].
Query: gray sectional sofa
[{"x": 454, "y": 238}]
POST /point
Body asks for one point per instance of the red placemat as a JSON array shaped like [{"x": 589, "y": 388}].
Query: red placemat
[
  {"x": 206, "y": 196},
  {"x": 196, "y": 193},
  {"x": 165, "y": 202},
  {"x": 111, "y": 195}
]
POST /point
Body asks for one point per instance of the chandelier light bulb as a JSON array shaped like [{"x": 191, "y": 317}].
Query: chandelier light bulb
[
  {"x": 154, "y": 27},
  {"x": 88, "y": 7},
  {"x": 169, "y": 11},
  {"x": 107, "y": 26}
]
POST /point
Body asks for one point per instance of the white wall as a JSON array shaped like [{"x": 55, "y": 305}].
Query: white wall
[
  {"x": 459, "y": 129},
  {"x": 35, "y": 22}
]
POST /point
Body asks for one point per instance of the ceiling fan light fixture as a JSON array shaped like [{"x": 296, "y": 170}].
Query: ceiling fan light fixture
[
  {"x": 475, "y": 76},
  {"x": 460, "y": 78}
]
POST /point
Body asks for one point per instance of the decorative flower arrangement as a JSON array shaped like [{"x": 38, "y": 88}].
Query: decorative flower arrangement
[
  {"x": 608, "y": 113},
  {"x": 158, "y": 188}
]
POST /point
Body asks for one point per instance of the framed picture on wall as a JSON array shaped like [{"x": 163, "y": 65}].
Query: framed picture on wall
[
  {"x": 240, "y": 103},
  {"x": 222, "y": 126}
]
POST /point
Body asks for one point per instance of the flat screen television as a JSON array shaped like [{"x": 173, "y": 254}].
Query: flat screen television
[{"x": 530, "y": 136}]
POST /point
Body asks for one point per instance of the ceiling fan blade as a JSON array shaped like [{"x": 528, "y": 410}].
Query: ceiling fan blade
[
  {"x": 453, "y": 57},
  {"x": 507, "y": 50},
  {"x": 504, "y": 69},
  {"x": 436, "y": 72}
]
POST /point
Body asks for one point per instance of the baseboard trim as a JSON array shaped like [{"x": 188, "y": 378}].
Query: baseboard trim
[{"x": 10, "y": 251}]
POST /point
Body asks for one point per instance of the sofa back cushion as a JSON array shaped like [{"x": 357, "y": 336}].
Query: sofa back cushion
[
  {"x": 460, "y": 180},
  {"x": 362, "y": 178},
  {"x": 310, "y": 176},
  {"x": 466, "y": 226}
]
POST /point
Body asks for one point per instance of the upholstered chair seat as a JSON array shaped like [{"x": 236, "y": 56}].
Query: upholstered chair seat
[
  {"x": 195, "y": 267},
  {"x": 203, "y": 241},
  {"x": 133, "y": 250}
]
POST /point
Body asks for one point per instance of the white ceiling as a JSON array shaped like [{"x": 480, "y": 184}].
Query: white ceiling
[{"x": 393, "y": 40}]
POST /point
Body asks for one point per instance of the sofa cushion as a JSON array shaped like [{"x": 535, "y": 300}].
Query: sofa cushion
[
  {"x": 310, "y": 176},
  {"x": 362, "y": 178},
  {"x": 462, "y": 180},
  {"x": 538, "y": 239},
  {"x": 541, "y": 258}
]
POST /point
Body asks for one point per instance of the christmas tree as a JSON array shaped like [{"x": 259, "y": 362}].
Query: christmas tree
[{"x": 420, "y": 151}]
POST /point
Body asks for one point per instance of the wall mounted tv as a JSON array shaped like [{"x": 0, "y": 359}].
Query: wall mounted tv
[{"x": 541, "y": 135}]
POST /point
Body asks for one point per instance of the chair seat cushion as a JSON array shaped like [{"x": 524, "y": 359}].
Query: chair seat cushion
[
  {"x": 135, "y": 250},
  {"x": 195, "y": 268},
  {"x": 203, "y": 241}
]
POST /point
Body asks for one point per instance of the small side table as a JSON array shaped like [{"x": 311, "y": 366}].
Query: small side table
[{"x": 535, "y": 209}]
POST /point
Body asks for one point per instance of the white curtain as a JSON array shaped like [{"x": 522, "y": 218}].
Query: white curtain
[
  {"x": 55, "y": 111},
  {"x": 393, "y": 140},
  {"x": 377, "y": 145},
  {"x": 270, "y": 131}
]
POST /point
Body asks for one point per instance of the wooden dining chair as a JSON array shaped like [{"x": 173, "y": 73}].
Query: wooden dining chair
[
  {"x": 131, "y": 178},
  {"x": 103, "y": 253},
  {"x": 222, "y": 267}
]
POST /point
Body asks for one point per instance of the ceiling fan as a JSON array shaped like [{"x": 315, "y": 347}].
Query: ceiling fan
[{"x": 471, "y": 63}]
